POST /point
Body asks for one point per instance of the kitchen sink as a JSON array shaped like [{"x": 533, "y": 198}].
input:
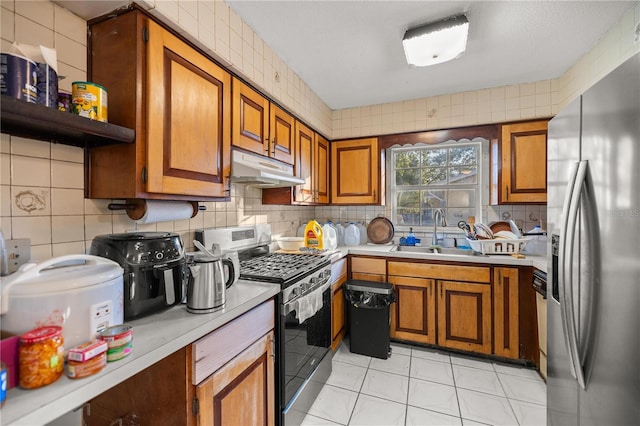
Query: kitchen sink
[{"x": 437, "y": 250}]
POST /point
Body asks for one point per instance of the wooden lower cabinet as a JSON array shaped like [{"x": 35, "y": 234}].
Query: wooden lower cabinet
[
  {"x": 368, "y": 269},
  {"x": 413, "y": 316},
  {"x": 464, "y": 316},
  {"x": 242, "y": 391},
  {"x": 159, "y": 395},
  {"x": 338, "y": 306},
  {"x": 505, "y": 312}
]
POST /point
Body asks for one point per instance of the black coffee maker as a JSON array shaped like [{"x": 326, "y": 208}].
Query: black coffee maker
[{"x": 154, "y": 269}]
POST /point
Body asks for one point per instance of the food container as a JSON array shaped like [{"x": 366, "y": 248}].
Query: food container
[
  {"x": 291, "y": 243},
  {"x": 86, "y": 351},
  {"x": 89, "y": 100},
  {"x": 18, "y": 77},
  {"x": 41, "y": 357},
  {"x": 64, "y": 102},
  {"x": 498, "y": 246},
  {"x": 80, "y": 293},
  {"x": 79, "y": 370},
  {"x": 117, "y": 336},
  {"x": 116, "y": 354}
]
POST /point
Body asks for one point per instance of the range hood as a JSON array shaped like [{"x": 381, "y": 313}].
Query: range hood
[{"x": 261, "y": 172}]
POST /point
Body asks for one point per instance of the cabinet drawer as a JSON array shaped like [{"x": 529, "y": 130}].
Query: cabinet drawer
[
  {"x": 368, "y": 265},
  {"x": 222, "y": 345},
  {"x": 441, "y": 272}
]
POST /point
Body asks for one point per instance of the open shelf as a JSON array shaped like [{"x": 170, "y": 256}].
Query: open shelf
[{"x": 36, "y": 121}]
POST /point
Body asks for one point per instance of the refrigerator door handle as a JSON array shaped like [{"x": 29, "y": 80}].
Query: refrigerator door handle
[
  {"x": 562, "y": 265},
  {"x": 567, "y": 288}
]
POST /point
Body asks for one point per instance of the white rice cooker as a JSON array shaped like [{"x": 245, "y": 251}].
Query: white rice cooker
[{"x": 81, "y": 293}]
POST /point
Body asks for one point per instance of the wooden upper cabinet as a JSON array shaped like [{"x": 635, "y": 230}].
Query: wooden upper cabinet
[
  {"x": 261, "y": 126},
  {"x": 177, "y": 100},
  {"x": 519, "y": 164},
  {"x": 321, "y": 172},
  {"x": 305, "y": 141},
  {"x": 355, "y": 172}
]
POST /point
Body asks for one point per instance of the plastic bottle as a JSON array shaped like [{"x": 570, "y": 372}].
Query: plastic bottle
[
  {"x": 313, "y": 235},
  {"x": 340, "y": 233},
  {"x": 300, "y": 231},
  {"x": 329, "y": 237},
  {"x": 363, "y": 233},
  {"x": 411, "y": 238},
  {"x": 352, "y": 235}
]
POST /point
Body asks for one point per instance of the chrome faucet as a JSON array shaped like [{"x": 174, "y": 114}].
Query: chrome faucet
[{"x": 443, "y": 222}]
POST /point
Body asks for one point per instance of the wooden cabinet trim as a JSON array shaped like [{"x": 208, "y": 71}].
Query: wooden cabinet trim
[
  {"x": 256, "y": 361},
  {"x": 369, "y": 265},
  {"x": 440, "y": 271},
  {"x": 209, "y": 355}
]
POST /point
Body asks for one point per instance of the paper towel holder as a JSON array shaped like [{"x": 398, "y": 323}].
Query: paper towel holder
[{"x": 136, "y": 208}]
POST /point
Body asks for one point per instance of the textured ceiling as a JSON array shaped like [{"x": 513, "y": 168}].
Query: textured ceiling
[{"x": 350, "y": 52}]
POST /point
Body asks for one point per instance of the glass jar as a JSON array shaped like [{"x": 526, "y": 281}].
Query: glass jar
[{"x": 41, "y": 356}]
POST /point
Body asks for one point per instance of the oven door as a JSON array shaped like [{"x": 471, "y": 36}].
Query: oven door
[{"x": 305, "y": 358}]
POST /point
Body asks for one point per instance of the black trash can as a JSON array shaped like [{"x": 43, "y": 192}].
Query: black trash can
[{"x": 368, "y": 312}]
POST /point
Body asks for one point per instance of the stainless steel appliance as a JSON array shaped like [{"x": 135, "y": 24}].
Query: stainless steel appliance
[
  {"x": 207, "y": 283},
  {"x": 154, "y": 269},
  {"x": 303, "y": 318},
  {"x": 594, "y": 222}
]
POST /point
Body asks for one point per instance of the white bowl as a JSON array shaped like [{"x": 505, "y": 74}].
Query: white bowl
[
  {"x": 291, "y": 243},
  {"x": 508, "y": 235}
]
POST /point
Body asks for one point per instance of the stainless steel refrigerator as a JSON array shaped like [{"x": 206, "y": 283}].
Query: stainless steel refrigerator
[{"x": 593, "y": 215}]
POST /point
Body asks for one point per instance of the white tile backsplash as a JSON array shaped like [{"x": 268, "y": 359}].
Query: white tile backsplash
[{"x": 30, "y": 171}]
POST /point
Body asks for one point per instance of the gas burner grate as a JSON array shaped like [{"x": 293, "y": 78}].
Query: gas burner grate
[{"x": 280, "y": 267}]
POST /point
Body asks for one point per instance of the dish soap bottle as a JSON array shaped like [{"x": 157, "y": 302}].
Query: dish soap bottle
[
  {"x": 411, "y": 238},
  {"x": 313, "y": 235}
]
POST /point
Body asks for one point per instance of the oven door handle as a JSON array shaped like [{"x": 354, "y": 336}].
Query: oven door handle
[{"x": 292, "y": 304}]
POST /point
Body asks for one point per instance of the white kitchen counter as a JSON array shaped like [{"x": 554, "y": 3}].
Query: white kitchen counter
[
  {"x": 388, "y": 251},
  {"x": 154, "y": 338}
]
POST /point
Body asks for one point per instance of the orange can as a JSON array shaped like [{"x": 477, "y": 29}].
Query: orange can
[{"x": 89, "y": 100}]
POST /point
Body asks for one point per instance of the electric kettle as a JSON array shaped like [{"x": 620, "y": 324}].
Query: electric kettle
[{"x": 206, "y": 286}]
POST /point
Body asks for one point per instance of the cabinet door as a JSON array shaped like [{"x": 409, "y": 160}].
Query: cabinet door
[
  {"x": 338, "y": 317},
  {"x": 188, "y": 123},
  {"x": 282, "y": 135},
  {"x": 321, "y": 172},
  {"x": 413, "y": 316},
  {"x": 304, "y": 163},
  {"x": 355, "y": 172},
  {"x": 250, "y": 119},
  {"x": 368, "y": 269},
  {"x": 505, "y": 312},
  {"x": 524, "y": 162},
  {"x": 242, "y": 391},
  {"x": 464, "y": 316}
]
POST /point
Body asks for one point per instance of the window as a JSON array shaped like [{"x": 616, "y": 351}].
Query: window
[{"x": 445, "y": 176}]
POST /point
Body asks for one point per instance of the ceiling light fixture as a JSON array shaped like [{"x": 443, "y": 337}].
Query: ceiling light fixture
[{"x": 436, "y": 42}]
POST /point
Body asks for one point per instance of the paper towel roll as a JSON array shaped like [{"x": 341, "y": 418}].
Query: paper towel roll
[{"x": 151, "y": 211}]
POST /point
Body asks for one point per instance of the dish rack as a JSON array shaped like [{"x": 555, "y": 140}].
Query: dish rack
[{"x": 498, "y": 246}]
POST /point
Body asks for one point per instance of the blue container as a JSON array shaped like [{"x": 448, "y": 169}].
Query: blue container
[{"x": 19, "y": 77}]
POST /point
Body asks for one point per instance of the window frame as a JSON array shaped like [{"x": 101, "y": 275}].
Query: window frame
[{"x": 481, "y": 186}]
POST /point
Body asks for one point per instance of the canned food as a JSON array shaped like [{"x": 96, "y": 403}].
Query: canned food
[
  {"x": 117, "y": 353},
  {"x": 64, "y": 102},
  {"x": 117, "y": 336},
  {"x": 41, "y": 357},
  {"x": 89, "y": 100}
]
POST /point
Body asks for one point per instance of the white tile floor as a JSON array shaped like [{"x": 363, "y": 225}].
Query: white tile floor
[{"x": 417, "y": 386}]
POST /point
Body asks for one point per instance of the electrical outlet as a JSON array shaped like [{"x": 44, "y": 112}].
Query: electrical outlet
[
  {"x": 101, "y": 316},
  {"x": 18, "y": 253}
]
